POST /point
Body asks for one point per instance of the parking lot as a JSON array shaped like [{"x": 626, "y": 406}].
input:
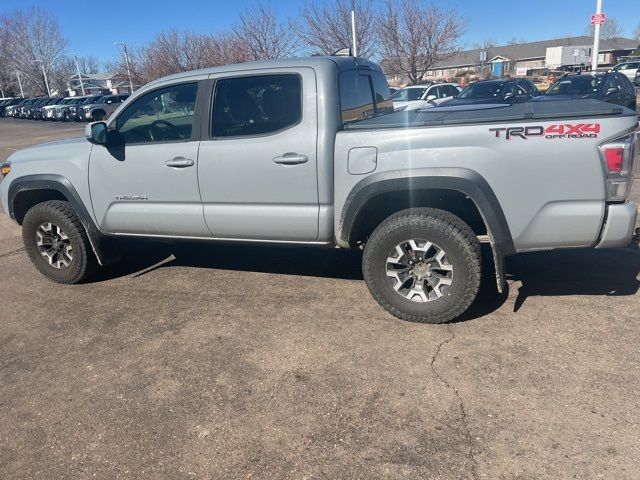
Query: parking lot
[{"x": 201, "y": 361}]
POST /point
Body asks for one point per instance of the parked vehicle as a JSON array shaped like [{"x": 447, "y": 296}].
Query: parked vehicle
[
  {"x": 79, "y": 110},
  {"x": 40, "y": 111},
  {"x": 508, "y": 91},
  {"x": 11, "y": 102},
  {"x": 424, "y": 96},
  {"x": 628, "y": 69},
  {"x": 610, "y": 87},
  {"x": 12, "y": 110},
  {"x": 68, "y": 112},
  {"x": 106, "y": 107},
  {"x": 32, "y": 110},
  {"x": 311, "y": 152},
  {"x": 55, "y": 110}
]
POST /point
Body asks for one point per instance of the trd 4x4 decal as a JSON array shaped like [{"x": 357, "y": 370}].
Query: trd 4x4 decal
[{"x": 564, "y": 130}]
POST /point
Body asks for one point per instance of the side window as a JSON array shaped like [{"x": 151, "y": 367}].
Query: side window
[
  {"x": 164, "y": 115},
  {"x": 363, "y": 94},
  {"x": 610, "y": 83},
  {"x": 356, "y": 96},
  {"x": 256, "y": 105}
]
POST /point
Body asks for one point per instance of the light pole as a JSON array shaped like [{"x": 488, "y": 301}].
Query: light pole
[
  {"x": 44, "y": 72},
  {"x": 79, "y": 74},
  {"x": 126, "y": 58},
  {"x": 596, "y": 38},
  {"x": 20, "y": 83},
  {"x": 353, "y": 28}
]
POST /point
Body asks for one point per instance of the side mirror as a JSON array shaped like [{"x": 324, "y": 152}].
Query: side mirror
[
  {"x": 431, "y": 97},
  {"x": 612, "y": 91},
  {"x": 96, "y": 132}
]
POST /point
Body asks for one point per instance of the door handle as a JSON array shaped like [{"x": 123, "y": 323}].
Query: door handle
[
  {"x": 179, "y": 162},
  {"x": 291, "y": 159}
]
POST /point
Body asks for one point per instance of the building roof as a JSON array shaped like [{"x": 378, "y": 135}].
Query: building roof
[
  {"x": 95, "y": 76},
  {"x": 532, "y": 50}
]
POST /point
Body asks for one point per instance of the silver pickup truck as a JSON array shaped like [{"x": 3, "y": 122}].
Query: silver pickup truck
[{"x": 311, "y": 152}]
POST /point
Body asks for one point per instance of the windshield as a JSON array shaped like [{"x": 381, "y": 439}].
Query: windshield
[
  {"x": 408, "y": 94},
  {"x": 483, "y": 90},
  {"x": 578, "y": 85}
]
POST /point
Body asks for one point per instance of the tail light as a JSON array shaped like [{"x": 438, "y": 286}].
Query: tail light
[{"x": 618, "y": 160}]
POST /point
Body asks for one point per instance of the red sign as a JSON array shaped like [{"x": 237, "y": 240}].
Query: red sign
[{"x": 597, "y": 19}]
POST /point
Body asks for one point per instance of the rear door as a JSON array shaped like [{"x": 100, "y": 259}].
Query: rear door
[{"x": 257, "y": 161}]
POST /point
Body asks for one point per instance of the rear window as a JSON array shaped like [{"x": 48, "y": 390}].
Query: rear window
[{"x": 363, "y": 94}]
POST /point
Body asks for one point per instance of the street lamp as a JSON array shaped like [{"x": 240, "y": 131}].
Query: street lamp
[
  {"x": 20, "y": 83},
  {"x": 79, "y": 75},
  {"x": 44, "y": 72},
  {"x": 126, "y": 58}
]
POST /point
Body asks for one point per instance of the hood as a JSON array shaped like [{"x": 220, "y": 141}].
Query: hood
[{"x": 59, "y": 150}]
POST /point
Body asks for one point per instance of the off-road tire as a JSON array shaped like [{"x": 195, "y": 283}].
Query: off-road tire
[
  {"x": 83, "y": 263},
  {"x": 447, "y": 231}
]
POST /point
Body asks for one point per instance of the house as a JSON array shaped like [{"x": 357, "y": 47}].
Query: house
[
  {"x": 98, "y": 83},
  {"x": 529, "y": 57}
]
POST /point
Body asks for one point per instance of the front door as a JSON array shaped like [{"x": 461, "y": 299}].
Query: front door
[
  {"x": 145, "y": 181},
  {"x": 257, "y": 170}
]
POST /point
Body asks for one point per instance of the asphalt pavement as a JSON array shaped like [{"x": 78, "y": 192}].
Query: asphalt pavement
[{"x": 200, "y": 361}]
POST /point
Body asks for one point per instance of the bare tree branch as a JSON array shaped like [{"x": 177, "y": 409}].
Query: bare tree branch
[
  {"x": 326, "y": 27},
  {"x": 262, "y": 35},
  {"x": 414, "y": 37},
  {"x": 609, "y": 29}
]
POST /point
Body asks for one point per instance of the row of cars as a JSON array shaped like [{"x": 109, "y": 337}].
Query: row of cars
[
  {"x": 80, "y": 109},
  {"x": 611, "y": 87}
]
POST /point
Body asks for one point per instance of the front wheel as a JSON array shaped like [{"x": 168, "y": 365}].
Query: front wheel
[
  {"x": 57, "y": 243},
  {"x": 423, "y": 265}
]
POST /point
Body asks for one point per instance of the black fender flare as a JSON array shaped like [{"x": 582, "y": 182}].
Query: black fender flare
[
  {"x": 463, "y": 180},
  {"x": 103, "y": 245}
]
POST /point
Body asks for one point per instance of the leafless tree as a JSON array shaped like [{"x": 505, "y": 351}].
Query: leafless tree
[
  {"x": 8, "y": 79},
  {"x": 516, "y": 41},
  {"x": 36, "y": 42},
  {"x": 609, "y": 29},
  {"x": 88, "y": 65},
  {"x": 179, "y": 51},
  {"x": 326, "y": 27},
  {"x": 415, "y": 36},
  {"x": 262, "y": 35},
  {"x": 636, "y": 33}
]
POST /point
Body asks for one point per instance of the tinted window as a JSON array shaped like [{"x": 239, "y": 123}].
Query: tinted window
[
  {"x": 163, "y": 115},
  {"x": 364, "y": 94},
  {"x": 256, "y": 105},
  {"x": 576, "y": 85},
  {"x": 483, "y": 90}
]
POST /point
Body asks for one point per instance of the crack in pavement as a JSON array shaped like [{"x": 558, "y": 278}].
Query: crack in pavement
[{"x": 463, "y": 412}]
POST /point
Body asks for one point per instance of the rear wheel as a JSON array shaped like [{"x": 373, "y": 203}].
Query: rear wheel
[
  {"x": 423, "y": 265},
  {"x": 57, "y": 243}
]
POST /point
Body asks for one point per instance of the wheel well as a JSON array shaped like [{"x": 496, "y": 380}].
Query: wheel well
[
  {"x": 380, "y": 207},
  {"x": 26, "y": 199}
]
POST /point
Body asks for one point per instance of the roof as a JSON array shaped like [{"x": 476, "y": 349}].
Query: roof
[
  {"x": 315, "y": 62},
  {"x": 531, "y": 50}
]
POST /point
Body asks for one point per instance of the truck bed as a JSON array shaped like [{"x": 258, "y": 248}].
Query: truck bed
[{"x": 491, "y": 113}]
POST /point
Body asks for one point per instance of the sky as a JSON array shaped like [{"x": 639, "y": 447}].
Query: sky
[{"x": 136, "y": 21}]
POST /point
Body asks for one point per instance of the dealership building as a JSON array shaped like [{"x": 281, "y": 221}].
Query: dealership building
[{"x": 525, "y": 57}]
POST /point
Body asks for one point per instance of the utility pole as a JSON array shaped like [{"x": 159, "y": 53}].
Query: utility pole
[
  {"x": 79, "y": 74},
  {"x": 353, "y": 28},
  {"x": 126, "y": 58},
  {"x": 20, "y": 83},
  {"x": 596, "y": 38},
  {"x": 44, "y": 72}
]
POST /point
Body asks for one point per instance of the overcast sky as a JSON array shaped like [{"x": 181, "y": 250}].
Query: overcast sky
[{"x": 92, "y": 28}]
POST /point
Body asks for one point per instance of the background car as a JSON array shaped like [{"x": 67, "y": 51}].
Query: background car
[
  {"x": 612, "y": 87},
  {"x": 421, "y": 96},
  {"x": 495, "y": 91},
  {"x": 8, "y": 103},
  {"x": 69, "y": 110},
  {"x": 106, "y": 107},
  {"x": 79, "y": 110},
  {"x": 628, "y": 69}
]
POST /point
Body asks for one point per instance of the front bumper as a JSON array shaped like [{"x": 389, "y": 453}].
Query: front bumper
[{"x": 619, "y": 226}]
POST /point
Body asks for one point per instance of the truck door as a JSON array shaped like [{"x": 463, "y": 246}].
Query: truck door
[
  {"x": 146, "y": 180},
  {"x": 257, "y": 162}
]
